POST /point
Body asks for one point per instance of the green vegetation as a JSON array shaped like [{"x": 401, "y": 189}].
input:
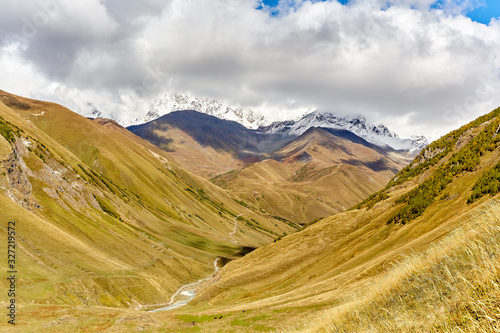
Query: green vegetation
[
  {"x": 372, "y": 199},
  {"x": 107, "y": 208},
  {"x": 252, "y": 322},
  {"x": 255, "y": 225},
  {"x": 103, "y": 180},
  {"x": 290, "y": 223},
  {"x": 431, "y": 156},
  {"x": 96, "y": 178},
  {"x": 241, "y": 202},
  {"x": 223, "y": 179},
  {"x": 9, "y": 131},
  {"x": 301, "y": 175},
  {"x": 418, "y": 199},
  {"x": 39, "y": 151},
  {"x": 489, "y": 183},
  {"x": 197, "y": 319},
  {"x": 439, "y": 149}
]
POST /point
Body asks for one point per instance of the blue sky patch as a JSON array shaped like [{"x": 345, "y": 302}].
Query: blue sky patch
[
  {"x": 270, "y": 3},
  {"x": 274, "y": 3},
  {"x": 482, "y": 14},
  {"x": 485, "y": 13}
]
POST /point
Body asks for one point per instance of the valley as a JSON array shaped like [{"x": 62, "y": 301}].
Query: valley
[
  {"x": 237, "y": 166},
  {"x": 119, "y": 233},
  {"x": 107, "y": 219},
  {"x": 295, "y": 171},
  {"x": 340, "y": 256}
]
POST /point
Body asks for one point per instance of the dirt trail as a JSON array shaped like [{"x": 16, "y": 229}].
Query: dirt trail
[{"x": 231, "y": 235}]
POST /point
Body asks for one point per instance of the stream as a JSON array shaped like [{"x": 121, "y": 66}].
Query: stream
[{"x": 186, "y": 293}]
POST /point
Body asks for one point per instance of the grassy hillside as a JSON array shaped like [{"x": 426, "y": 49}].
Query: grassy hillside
[
  {"x": 450, "y": 287},
  {"x": 103, "y": 218},
  {"x": 108, "y": 224},
  {"x": 206, "y": 145},
  {"x": 319, "y": 174},
  {"x": 300, "y": 179},
  {"x": 328, "y": 261}
]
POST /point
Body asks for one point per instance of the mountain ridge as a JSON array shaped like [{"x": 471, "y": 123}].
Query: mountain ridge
[
  {"x": 267, "y": 121},
  {"x": 339, "y": 257},
  {"x": 377, "y": 134},
  {"x": 104, "y": 218}
]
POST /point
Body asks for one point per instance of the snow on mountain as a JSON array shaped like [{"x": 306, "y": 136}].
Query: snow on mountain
[
  {"x": 92, "y": 111},
  {"x": 377, "y": 134},
  {"x": 177, "y": 102},
  {"x": 249, "y": 117},
  {"x": 267, "y": 119}
]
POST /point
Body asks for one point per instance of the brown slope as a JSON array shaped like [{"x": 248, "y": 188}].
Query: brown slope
[
  {"x": 207, "y": 145},
  {"x": 105, "y": 218},
  {"x": 314, "y": 176},
  {"x": 342, "y": 254}
]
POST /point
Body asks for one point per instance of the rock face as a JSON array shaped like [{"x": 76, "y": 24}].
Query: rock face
[
  {"x": 59, "y": 183},
  {"x": 15, "y": 179}
]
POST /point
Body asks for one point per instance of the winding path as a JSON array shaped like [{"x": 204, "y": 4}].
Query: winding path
[{"x": 231, "y": 234}]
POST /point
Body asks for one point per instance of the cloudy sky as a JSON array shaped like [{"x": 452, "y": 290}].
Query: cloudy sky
[{"x": 418, "y": 66}]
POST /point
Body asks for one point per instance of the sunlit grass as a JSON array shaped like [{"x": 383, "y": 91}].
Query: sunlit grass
[{"x": 453, "y": 286}]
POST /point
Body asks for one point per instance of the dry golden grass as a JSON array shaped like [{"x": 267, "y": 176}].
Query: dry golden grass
[
  {"x": 334, "y": 178},
  {"x": 118, "y": 222},
  {"x": 453, "y": 286}
]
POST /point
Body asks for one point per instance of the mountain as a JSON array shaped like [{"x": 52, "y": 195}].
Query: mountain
[
  {"x": 298, "y": 177},
  {"x": 377, "y": 134},
  {"x": 207, "y": 145},
  {"x": 320, "y": 173},
  {"x": 250, "y": 118},
  {"x": 177, "y": 130},
  {"x": 103, "y": 218},
  {"x": 339, "y": 262},
  {"x": 289, "y": 122},
  {"x": 207, "y": 130}
]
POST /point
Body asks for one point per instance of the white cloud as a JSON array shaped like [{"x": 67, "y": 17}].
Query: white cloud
[{"x": 416, "y": 69}]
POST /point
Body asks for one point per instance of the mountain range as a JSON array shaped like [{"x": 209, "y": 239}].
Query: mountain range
[
  {"x": 104, "y": 218},
  {"x": 301, "y": 228},
  {"x": 284, "y": 168},
  {"x": 267, "y": 121},
  {"x": 377, "y": 134}
]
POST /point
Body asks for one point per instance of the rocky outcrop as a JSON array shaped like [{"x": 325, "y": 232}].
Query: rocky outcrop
[
  {"x": 15, "y": 179},
  {"x": 59, "y": 181}
]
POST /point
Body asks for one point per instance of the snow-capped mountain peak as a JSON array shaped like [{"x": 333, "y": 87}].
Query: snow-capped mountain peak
[
  {"x": 178, "y": 102},
  {"x": 377, "y": 134},
  {"x": 267, "y": 119},
  {"x": 133, "y": 114}
]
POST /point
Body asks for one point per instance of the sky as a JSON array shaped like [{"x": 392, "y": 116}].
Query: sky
[{"x": 421, "y": 67}]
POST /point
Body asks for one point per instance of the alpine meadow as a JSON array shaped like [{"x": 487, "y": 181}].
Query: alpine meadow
[{"x": 250, "y": 166}]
